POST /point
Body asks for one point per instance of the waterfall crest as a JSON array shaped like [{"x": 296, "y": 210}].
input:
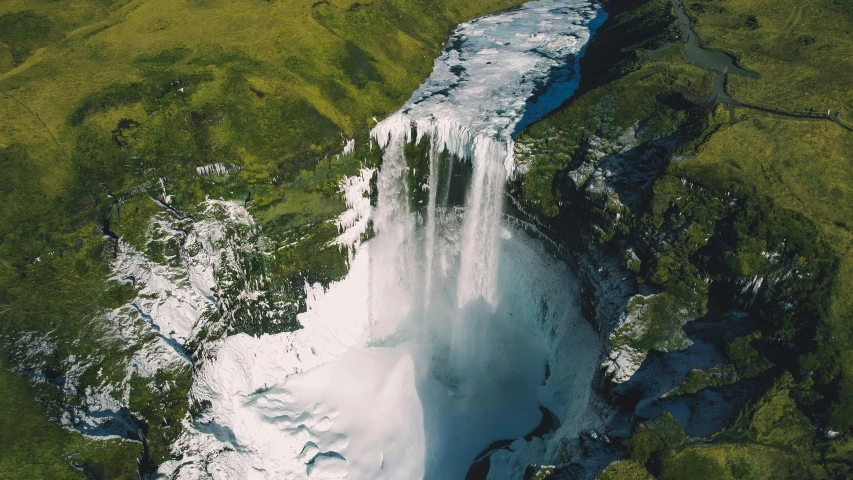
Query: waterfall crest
[{"x": 492, "y": 73}]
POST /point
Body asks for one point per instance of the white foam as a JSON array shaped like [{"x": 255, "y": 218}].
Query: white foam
[{"x": 397, "y": 410}]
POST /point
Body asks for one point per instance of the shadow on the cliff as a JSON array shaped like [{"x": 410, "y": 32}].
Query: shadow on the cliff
[
  {"x": 560, "y": 85},
  {"x": 479, "y": 387},
  {"x": 708, "y": 410}
]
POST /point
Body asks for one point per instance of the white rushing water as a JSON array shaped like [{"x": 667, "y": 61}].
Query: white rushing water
[{"x": 438, "y": 341}]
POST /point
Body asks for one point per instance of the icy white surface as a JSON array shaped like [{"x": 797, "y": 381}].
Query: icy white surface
[
  {"x": 166, "y": 297},
  {"x": 397, "y": 408},
  {"x": 349, "y": 147},
  {"x": 624, "y": 361},
  {"x": 175, "y": 298},
  {"x": 496, "y": 75},
  {"x": 353, "y": 222},
  {"x": 221, "y": 169}
]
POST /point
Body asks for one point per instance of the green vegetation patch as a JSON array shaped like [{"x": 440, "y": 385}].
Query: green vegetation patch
[
  {"x": 162, "y": 401},
  {"x": 744, "y": 362},
  {"x": 625, "y": 470},
  {"x": 653, "y": 323},
  {"x": 746, "y": 210},
  {"x": 801, "y": 48},
  {"x": 658, "y": 436},
  {"x": 771, "y": 439},
  {"x": 33, "y": 445},
  {"x": 23, "y": 32},
  {"x": 111, "y": 109}
]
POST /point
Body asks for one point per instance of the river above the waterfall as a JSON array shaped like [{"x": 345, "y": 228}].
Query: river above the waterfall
[{"x": 454, "y": 328}]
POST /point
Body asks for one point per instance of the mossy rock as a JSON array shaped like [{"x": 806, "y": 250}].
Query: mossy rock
[
  {"x": 625, "y": 470},
  {"x": 657, "y": 436}
]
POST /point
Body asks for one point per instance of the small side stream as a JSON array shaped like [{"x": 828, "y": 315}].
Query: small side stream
[
  {"x": 712, "y": 60},
  {"x": 719, "y": 62}
]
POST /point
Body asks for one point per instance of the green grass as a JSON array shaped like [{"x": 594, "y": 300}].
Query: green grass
[
  {"x": 658, "y": 436},
  {"x": 743, "y": 362},
  {"x": 162, "y": 402},
  {"x": 771, "y": 439},
  {"x": 606, "y": 111},
  {"x": 656, "y": 323},
  {"x": 33, "y": 445},
  {"x": 736, "y": 461},
  {"x": 802, "y": 165},
  {"x": 802, "y": 49},
  {"x": 302, "y": 50},
  {"x": 624, "y": 470},
  {"x": 27, "y": 26},
  {"x": 101, "y": 100}
]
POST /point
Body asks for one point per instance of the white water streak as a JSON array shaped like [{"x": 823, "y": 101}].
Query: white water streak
[{"x": 483, "y": 86}]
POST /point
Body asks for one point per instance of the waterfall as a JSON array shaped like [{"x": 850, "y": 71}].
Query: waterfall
[
  {"x": 407, "y": 263},
  {"x": 437, "y": 342},
  {"x": 493, "y": 73}
]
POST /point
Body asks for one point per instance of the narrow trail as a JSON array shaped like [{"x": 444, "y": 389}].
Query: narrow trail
[
  {"x": 801, "y": 116},
  {"x": 55, "y": 141}
]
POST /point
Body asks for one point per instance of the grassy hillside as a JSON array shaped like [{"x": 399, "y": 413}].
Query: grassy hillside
[
  {"x": 108, "y": 104},
  {"x": 801, "y": 50},
  {"x": 705, "y": 198}
]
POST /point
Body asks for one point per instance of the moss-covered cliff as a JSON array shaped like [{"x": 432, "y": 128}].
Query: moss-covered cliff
[{"x": 710, "y": 219}]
